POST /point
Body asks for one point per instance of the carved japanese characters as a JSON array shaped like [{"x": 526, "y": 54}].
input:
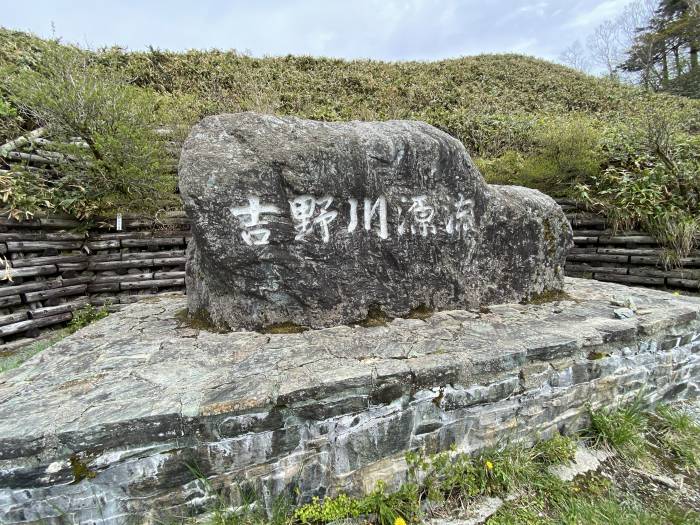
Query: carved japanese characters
[
  {"x": 313, "y": 223},
  {"x": 314, "y": 217}
]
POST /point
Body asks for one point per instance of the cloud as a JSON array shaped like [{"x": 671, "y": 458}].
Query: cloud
[
  {"x": 379, "y": 29},
  {"x": 526, "y": 11},
  {"x": 524, "y": 46},
  {"x": 606, "y": 10},
  {"x": 538, "y": 7}
]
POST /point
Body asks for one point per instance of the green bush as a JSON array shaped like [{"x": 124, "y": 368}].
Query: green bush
[
  {"x": 486, "y": 135},
  {"x": 330, "y": 509},
  {"x": 562, "y": 152},
  {"x": 393, "y": 508},
  {"x": 120, "y": 160},
  {"x": 6, "y": 110},
  {"x": 10, "y": 121},
  {"x": 23, "y": 192},
  {"x": 652, "y": 181},
  {"x": 507, "y": 169}
]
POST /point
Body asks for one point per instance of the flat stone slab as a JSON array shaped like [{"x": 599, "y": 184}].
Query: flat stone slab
[
  {"x": 91, "y": 379},
  {"x": 476, "y": 514},
  {"x": 585, "y": 460},
  {"x": 136, "y": 397}
]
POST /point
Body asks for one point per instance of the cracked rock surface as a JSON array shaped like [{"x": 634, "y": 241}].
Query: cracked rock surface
[
  {"x": 138, "y": 396},
  {"x": 318, "y": 224}
]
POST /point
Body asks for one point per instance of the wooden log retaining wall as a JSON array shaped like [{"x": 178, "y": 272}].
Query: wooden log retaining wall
[
  {"x": 55, "y": 269},
  {"x": 51, "y": 269},
  {"x": 629, "y": 257}
]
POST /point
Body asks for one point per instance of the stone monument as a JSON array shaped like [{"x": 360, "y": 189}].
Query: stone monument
[{"x": 317, "y": 224}]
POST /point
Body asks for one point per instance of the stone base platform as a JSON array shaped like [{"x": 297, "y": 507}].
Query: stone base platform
[{"x": 112, "y": 424}]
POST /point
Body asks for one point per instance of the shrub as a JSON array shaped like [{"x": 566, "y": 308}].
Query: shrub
[
  {"x": 6, "y": 110},
  {"x": 401, "y": 506},
  {"x": 330, "y": 509},
  {"x": 507, "y": 169},
  {"x": 562, "y": 152},
  {"x": 652, "y": 181},
  {"x": 487, "y": 135},
  {"x": 24, "y": 192},
  {"x": 119, "y": 161},
  {"x": 10, "y": 121}
]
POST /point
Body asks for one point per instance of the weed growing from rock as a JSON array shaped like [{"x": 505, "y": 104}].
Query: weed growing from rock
[
  {"x": 14, "y": 359},
  {"x": 85, "y": 316}
]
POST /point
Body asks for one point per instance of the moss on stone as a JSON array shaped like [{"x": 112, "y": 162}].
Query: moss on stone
[
  {"x": 80, "y": 470},
  {"x": 421, "y": 312},
  {"x": 284, "y": 328},
  {"x": 375, "y": 317},
  {"x": 549, "y": 296},
  {"x": 199, "y": 320}
]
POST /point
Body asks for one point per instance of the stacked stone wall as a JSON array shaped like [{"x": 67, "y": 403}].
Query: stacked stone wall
[{"x": 318, "y": 413}]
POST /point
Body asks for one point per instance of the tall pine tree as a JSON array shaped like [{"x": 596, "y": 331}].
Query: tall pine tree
[{"x": 665, "y": 52}]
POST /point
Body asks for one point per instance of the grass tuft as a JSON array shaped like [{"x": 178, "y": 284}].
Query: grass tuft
[
  {"x": 622, "y": 429},
  {"x": 678, "y": 433},
  {"x": 556, "y": 450}
]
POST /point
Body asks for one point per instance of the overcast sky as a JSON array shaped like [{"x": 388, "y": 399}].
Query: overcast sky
[{"x": 381, "y": 29}]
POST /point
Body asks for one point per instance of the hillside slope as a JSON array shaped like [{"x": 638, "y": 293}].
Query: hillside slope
[
  {"x": 482, "y": 100},
  {"x": 627, "y": 152}
]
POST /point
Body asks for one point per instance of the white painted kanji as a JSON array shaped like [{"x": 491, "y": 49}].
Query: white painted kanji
[
  {"x": 461, "y": 221},
  {"x": 352, "y": 225},
  {"x": 313, "y": 217},
  {"x": 305, "y": 215},
  {"x": 423, "y": 215},
  {"x": 250, "y": 219}
]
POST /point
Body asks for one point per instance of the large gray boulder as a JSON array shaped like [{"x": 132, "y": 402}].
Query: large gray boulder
[{"x": 317, "y": 224}]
